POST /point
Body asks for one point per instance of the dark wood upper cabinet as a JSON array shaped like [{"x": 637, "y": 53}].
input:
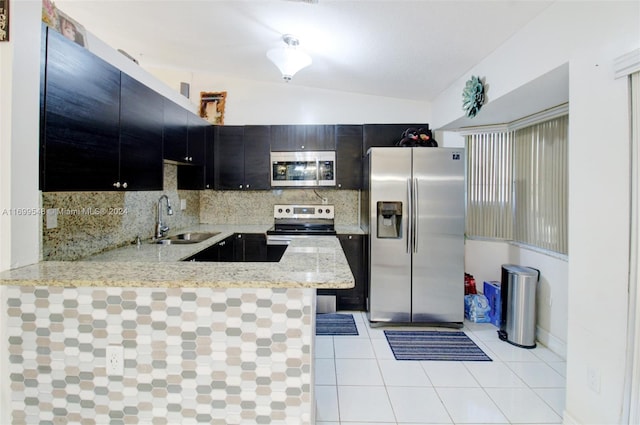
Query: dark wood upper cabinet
[
  {"x": 184, "y": 135},
  {"x": 319, "y": 137},
  {"x": 303, "y": 138},
  {"x": 141, "y": 127},
  {"x": 196, "y": 139},
  {"x": 100, "y": 128},
  {"x": 286, "y": 137},
  {"x": 242, "y": 157},
  {"x": 384, "y": 135},
  {"x": 43, "y": 74},
  {"x": 256, "y": 157},
  {"x": 229, "y": 157},
  {"x": 193, "y": 176},
  {"x": 176, "y": 128},
  {"x": 349, "y": 157},
  {"x": 209, "y": 150},
  {"x": 80, "y": 139}
]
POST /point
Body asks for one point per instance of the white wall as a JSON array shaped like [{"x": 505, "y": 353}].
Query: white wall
[
  {"x": 599, "y": 234},
  {"x": 253, "y": 102},
  {"x": 19, "y": 137},
  {"x": 483, "y": 259},
  {"x": 588, "y": 36},
  {"x": 126, "y": 65}
]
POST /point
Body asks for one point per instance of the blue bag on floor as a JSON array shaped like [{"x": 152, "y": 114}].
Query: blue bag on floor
[{"x": 476, "y": 308}]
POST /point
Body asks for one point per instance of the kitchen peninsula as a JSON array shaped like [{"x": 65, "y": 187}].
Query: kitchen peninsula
[{"x": 221, "y": 343}]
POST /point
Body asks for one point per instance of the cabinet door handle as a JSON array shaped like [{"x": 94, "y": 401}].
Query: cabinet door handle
[
  {"x": 190, "y": 159},
  {"x": 124, "y": 185},
  {"x": 339, "y": 185},
  {"x": 240, "y": 186},
  {"x": 302, "y": 147},
  {"x": 247, "y": 187},
  {"x": 116, "y": 185}
]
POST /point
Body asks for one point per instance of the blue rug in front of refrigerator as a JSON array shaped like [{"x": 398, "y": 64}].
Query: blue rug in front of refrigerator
[
  {"x": 434, "y": 345},
  {"x": 335, "y": 324}
]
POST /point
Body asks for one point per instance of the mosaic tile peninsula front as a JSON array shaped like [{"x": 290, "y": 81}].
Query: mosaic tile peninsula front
[{"x": 206, "y": 355}]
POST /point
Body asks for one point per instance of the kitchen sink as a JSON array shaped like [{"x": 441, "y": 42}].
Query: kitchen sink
[{"x": 186, "y": 238}]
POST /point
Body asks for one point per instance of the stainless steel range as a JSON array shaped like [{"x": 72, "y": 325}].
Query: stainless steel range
[
  {"x": 304, "y": 221},
  {"x": 300, "y": 221}
]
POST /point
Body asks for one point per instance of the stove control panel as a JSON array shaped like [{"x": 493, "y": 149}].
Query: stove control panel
[{"x": 303, "y": 211}]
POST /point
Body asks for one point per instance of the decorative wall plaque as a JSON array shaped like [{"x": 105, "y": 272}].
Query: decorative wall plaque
[{"x": 473, "y": 96}]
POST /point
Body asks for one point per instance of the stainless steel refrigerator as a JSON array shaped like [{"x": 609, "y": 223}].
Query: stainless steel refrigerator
[{"x": 413, "y": 211}]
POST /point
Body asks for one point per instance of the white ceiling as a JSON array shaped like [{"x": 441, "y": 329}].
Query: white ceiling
[{"x": 403, "y": 49}]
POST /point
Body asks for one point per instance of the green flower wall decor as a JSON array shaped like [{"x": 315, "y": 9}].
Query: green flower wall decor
[{"x": 473, "y": 96}]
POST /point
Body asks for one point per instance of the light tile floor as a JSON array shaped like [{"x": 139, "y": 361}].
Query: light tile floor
[{"x": 359, "y": 382}]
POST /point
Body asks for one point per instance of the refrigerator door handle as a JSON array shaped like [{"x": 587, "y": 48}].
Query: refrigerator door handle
[
  {"x": 416, "y": 208},
  {"x": 409, "y": 214}
]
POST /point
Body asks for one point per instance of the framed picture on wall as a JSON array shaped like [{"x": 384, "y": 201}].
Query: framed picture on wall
[
  {"x": 70, "y": 28},
  {"x": 4, "y": 20}
]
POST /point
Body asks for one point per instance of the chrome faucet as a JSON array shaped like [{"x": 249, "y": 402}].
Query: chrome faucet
[{"x": 161, "y": 228}]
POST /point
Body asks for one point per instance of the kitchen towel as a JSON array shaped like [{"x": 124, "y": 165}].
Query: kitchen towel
[
  {"x": 335, "y": 324},
  {"x": 434, "y": 345}
]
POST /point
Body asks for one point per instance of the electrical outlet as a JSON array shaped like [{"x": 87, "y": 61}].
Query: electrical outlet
[
  {"x": 52, "y": 218},
  {"x": 115, "y": 360},
  {"x": 183, "y": 204},
  {"x": 593, "y": 379}
]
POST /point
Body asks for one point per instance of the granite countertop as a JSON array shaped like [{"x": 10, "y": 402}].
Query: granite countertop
[{"x": 307, "y": 263}]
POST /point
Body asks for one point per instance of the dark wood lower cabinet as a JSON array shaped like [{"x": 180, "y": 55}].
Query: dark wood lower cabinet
[
  {"x": 241, "y": 247},
  {"x": 250, "y": 247},
  {"x": 354, "y": 298},
  {"x": 221, "y": 251}
]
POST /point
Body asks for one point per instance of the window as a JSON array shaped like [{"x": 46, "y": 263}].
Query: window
[
  {"x": 489, "y": 185},
  {"x": 517, "y": 185}
]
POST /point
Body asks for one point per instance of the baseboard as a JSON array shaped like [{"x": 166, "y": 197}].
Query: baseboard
[{"x": 553, "y": 343}]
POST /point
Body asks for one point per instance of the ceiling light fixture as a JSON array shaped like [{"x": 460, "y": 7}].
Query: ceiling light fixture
[{"x": 289, "y": 59}]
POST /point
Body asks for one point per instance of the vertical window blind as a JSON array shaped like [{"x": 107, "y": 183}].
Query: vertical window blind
[
  {"x": 489, "y": 185},
  {"x": 517, "y": 185},
  {"x": 540, "y": 174}
]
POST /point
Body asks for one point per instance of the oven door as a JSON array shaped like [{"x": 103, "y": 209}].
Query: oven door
[{"x": 303, "y": 169}]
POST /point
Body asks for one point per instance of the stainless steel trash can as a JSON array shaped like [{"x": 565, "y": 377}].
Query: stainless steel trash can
[{"x": 518, "y": 319}]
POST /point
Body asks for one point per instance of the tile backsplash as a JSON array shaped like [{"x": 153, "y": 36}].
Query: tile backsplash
[
  {"x": 91, "y": 222},
  {"x": 256, "y": 207}
]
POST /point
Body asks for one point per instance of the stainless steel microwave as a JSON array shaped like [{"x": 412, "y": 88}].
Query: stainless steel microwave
[{"x": 307, "y": 169}]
